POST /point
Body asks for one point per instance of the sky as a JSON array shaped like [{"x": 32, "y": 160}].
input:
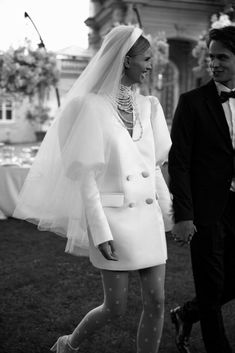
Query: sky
[{"x": 59, "y": 22}]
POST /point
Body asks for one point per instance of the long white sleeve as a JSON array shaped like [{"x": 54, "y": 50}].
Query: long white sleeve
[
  {"x": 164, "y": 199},
  {"x": 97, "y": 221}
]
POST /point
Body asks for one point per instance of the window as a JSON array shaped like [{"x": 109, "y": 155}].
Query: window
[
  {"x": 6, "y": 111},
  {"x": 170, "y": 92}
]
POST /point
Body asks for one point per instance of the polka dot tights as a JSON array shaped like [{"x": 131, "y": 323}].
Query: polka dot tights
[{"x": 115, "y": 284}]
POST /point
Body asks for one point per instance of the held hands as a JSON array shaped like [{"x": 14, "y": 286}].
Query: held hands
[
  {"x": 108, "y": 251},
  {"x": 183, "y": 232}
]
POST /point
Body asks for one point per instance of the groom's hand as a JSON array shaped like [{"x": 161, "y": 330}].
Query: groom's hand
[{"x": 183, "y": 231}]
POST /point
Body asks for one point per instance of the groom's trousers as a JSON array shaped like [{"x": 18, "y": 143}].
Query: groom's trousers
[{"x": 213, "y": 263}]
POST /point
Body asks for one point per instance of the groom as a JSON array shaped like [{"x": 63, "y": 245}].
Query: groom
[{"x": 202, "y": 181}]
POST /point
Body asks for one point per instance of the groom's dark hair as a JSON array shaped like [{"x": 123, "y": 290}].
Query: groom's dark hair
[{"x": 225, "y": 35}]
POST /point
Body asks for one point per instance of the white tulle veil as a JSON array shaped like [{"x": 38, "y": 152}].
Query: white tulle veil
[{"x": 52, "y": 193}]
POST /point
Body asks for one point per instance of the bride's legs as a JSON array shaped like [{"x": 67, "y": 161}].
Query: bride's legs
[
  {"x": 151, "y": 321},
  {"x": 115, "y": 285}
]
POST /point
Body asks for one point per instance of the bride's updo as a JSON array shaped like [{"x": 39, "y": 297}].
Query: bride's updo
[{"x": 139, "y": 47}]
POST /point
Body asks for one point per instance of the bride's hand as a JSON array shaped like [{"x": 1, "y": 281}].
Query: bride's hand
[{"x": 108, "y": 251}]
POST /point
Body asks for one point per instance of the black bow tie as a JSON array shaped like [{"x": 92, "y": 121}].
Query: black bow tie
[{"x": 224, "y": 95}]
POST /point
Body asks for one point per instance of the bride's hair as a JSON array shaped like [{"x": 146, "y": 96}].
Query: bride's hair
[{"x": 139, "y": 47}]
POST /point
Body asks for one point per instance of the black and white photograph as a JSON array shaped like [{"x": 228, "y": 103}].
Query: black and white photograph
[{"x": 117, "y": 176}]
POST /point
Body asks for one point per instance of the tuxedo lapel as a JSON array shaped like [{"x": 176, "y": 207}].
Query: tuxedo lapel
[{"x": 216, "y": 110}]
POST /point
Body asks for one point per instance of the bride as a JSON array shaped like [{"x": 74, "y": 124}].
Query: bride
[{"x": 97, "y": 181}]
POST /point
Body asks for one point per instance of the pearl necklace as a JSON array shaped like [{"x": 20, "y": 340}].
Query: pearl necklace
[
  {"x": 125, "y": 101},
  {"x": 136, "y": 119}
]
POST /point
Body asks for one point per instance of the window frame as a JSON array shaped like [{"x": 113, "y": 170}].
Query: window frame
[{"x": 5, "y": 109}]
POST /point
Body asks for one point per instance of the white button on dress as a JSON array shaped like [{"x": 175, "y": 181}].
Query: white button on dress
[
  {"x": 131, "y": 205},
  {"x": 145, "y": 174},
  {"x": 149, "y": 201}
]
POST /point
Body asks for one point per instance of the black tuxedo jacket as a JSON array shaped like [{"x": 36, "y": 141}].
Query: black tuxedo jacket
[{"x": 201, "y": 157}]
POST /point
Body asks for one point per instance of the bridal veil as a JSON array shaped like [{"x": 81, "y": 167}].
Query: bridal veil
[{"x": 51, "y": 196}]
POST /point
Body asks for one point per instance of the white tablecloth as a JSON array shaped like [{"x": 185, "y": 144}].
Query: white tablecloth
[{"x": 11, "y": 181}]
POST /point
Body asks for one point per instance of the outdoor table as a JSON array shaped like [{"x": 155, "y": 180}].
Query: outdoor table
[{"x": 11, "y": 180}]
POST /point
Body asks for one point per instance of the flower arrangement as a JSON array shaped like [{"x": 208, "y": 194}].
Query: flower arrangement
[
  {"x": 160, "y": 49},
  {"x": 24, "y": 71},
  {"x": 200, "y": 51},
  {"x": 38, "y": 116},
  {"x": 27, "y": 72}
]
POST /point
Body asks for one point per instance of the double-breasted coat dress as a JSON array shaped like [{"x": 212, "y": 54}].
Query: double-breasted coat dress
[
  {"x": 97, "y": 183},
  {"x": 129, "y": 201}
]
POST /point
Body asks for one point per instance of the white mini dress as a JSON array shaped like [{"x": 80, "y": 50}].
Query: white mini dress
[{"x": 129, "y": 201}]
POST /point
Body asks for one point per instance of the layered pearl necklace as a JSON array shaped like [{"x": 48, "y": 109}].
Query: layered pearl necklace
[{"x": 125, "y": 102}]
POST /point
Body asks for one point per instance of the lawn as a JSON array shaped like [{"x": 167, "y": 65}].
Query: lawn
[{"x": 45, "y": 292}]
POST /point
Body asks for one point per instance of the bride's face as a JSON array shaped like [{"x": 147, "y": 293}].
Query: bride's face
[{"x": 137, "y": 67}]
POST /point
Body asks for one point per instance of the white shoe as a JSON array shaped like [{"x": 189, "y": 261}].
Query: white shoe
[{"x": 62, "y": 345}]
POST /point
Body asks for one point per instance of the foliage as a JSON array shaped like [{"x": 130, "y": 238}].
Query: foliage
[
  {"x": 28, "y": 72},
  {"x": 38, "y": 116},
  {"x": 200, "y": 51},
  {"x": 24, "y": 71}
]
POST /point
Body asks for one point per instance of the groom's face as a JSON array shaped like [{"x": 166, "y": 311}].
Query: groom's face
[{"x": 222, "y": 64}]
